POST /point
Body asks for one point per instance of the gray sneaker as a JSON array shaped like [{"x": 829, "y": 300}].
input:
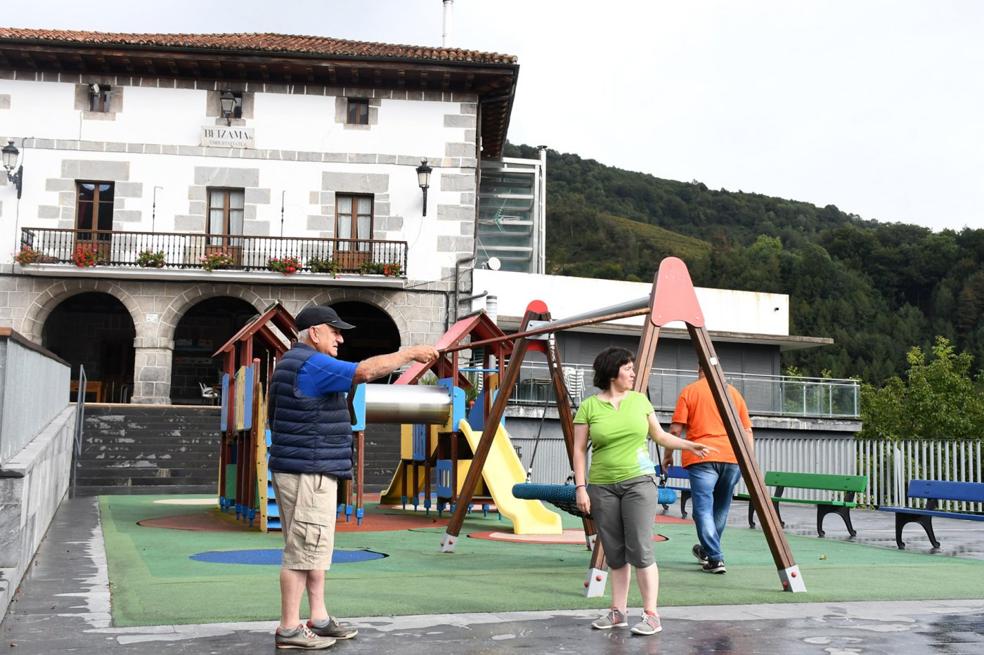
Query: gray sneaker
[
  {"x": 614, "y": 619},
  {"x": 699, "y": 552},
  {"x": 333, "y": 628},
  {"x": 301, "y": 638},
  {"x": 649, "y": 625},
  {"x": 714, "y": 566}
]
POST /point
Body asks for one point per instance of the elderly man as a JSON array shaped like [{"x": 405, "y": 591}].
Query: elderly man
[{"x": 311, "y": 451}]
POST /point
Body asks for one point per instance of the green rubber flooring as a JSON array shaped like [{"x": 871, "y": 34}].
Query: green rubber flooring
[{"x": 153, "y": 581}]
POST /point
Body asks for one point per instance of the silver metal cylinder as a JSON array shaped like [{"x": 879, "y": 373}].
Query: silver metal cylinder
[{"x": 407, "y": 403}]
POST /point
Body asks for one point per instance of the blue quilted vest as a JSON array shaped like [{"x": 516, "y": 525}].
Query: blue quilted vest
[{"x": 308, "y": 434}]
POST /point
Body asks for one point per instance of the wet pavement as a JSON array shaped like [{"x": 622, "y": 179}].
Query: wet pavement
[{"x": 63, "y": 607}]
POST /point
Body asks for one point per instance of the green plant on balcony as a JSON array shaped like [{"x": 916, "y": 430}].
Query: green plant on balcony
[
  {"x": 217, "y": 259},
  {"x": 380, "y": 268},
  {"x": 86, "y": 255},
  {"x": 285, "y": 265},
  {"x": 151, "y": 258},
  {"x": 27, "y": 255},
  {"x": 324, "y": 265}
]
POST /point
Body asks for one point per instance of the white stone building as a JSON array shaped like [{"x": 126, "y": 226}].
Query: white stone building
[{"x": 177, "y": 149}]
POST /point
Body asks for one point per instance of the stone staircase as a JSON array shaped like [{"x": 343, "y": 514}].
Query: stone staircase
[
  {"x": 149, "y": 449},
  {"x": 382, "y": 455},
  {"x": 171, "y": 449}
]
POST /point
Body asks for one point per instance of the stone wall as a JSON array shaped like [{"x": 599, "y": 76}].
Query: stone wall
[
  {"x": 156, "y": 307},
  {"x": 32, "y": 485},
  {"x": 130, "y": 449}
]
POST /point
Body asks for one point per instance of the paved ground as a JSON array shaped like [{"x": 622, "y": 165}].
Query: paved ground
[{"x": 63, "y": 607}]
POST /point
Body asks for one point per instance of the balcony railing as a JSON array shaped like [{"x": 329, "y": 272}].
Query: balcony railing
[
  {"x": 196, "y": 251},
  {"x": 775, "y": 395}
]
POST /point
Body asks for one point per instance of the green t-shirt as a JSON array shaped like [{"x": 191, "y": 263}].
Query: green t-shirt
[{"x": 619, "y": 450}]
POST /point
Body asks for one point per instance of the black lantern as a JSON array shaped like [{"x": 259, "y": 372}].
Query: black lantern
[
  {"x": 423, "y": 180},
  {"x": 10, "y": 157},
  {"x": 227, "y": 104}
]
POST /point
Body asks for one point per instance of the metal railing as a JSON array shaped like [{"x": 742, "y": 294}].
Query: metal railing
[
  {"x": 773, "y": 395},
  {"x": 204, "y": 251},
  {"x": 79, "y": 428},
  {"x": 890, "y": 465}
]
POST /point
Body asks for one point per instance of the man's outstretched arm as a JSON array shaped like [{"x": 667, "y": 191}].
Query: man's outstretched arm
[{"x": 380, "y": 365}]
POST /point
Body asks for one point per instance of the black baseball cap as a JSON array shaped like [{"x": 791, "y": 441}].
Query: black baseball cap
[{"x": 317, "y": 315}]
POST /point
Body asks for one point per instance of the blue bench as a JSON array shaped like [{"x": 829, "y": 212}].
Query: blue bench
[
  {"x": 934, "y": 491},
  {"x": 678, "y": 473}
]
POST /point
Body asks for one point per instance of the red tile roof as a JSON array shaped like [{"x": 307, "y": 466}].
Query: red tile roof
[{"x": 272, "y": 43}]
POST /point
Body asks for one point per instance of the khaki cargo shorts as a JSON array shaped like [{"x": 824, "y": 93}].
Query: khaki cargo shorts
[{"x": 307, "y": 504}]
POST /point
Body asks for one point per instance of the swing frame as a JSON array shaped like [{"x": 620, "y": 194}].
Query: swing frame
[{"x": 672, "y": 299}]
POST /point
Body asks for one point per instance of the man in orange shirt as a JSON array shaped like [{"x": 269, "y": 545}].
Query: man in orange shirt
[{"x": 713, "y": 477}]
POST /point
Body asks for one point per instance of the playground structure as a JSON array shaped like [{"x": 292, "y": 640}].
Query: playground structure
[
  {"x": 438, "y": 431},
  {"x": 440, "y": 436}
]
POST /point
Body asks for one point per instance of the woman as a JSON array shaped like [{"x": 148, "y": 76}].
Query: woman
[{"x": 621, "y": 492}]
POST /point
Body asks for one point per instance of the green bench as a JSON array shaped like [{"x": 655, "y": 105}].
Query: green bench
[{"x": 843, "y": 488}]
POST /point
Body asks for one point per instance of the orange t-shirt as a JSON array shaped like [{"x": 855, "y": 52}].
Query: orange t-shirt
[{"x": 696, "y": 411}]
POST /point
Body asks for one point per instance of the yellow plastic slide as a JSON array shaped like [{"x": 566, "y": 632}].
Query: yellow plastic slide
[{"x": 502, "y": 470}]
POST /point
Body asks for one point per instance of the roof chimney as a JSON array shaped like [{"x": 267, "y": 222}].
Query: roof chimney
[{"x": 448, "y": 15}]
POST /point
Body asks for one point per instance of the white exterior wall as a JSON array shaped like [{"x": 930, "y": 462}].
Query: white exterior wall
[
  {"x": 157, "y": 136},
  {"x": 724, "y": 310}
]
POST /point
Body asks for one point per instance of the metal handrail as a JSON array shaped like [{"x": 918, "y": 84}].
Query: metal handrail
[
  {"x": 79, "y": 427},
  {"x": 764, "y": 394},
  {"x": 203, "y": 251}
]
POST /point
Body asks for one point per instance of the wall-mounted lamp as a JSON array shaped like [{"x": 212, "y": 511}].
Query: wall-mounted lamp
[
  {"x": 423, "y": 180},
  {"x": 11, "y": 156},
  {"x": 227, "y": 104}
]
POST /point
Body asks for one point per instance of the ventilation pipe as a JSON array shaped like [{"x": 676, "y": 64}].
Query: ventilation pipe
[
  {"x": 448, "y": 16},
  {"x": 492, "y": 307}
]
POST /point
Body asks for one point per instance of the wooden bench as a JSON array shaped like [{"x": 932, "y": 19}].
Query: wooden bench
[
  {"x": 845, "y": 484},
  {"x": 934, "y": 491},
  {"x": 678, "y": 473}
]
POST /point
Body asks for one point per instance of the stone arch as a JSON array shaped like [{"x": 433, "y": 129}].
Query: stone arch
[
  {"x": 201, "y": 330},
  {"x": 184, "y": 301},
  {"x": 369, "y": 297},
  {"x": 375, "y": 332},
  {"x": 55, "y": 293},
  {"x": 94, "y": 330}
]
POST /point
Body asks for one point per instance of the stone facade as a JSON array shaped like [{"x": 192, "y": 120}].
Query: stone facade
[{"x": 156, "y": 308}]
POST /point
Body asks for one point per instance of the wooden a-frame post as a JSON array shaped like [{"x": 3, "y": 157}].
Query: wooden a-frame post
[
  {"x": 673, "y": 299},
  {"x": 534, "y": 312}
]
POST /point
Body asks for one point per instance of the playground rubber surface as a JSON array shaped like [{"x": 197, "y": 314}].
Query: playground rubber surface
[{"x": 154, "y": 581}]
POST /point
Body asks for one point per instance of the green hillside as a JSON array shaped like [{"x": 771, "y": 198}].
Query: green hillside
[{"x": 876, "y": 288}]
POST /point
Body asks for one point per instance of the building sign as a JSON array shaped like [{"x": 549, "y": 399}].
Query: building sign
[{"x": 227, "y": 137}]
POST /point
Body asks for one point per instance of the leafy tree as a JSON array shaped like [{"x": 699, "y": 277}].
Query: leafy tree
[
  {"x": 875, "y": 288},
  {"x": 937, "y": 400}
]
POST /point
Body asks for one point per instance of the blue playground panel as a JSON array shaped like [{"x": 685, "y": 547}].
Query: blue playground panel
[
  {"x": 359, "y": 406},
  {"x": 273, "y": 510},
  {"x": 476, "y": 415},
  {"x": 457, "y": 401},
  {"x": 419, "y": 442},
  {"x": 274, "y": 556},
  {"x": 224, "y": 411}
]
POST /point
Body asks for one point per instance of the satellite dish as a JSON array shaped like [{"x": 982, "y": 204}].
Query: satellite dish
[{"x": 493, "y": 264}]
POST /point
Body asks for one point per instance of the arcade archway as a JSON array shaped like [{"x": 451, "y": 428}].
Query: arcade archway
[
  {"x": 203, "y": 329},
  {"x": 374, "y": 333},
  {"x": 94, "y": 330}
]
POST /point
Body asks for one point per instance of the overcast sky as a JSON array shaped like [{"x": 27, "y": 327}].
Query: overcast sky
[{"x": 876, "y": 106}]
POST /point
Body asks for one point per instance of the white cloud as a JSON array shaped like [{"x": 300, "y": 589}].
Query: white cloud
[{"x": 876, "y": 106}]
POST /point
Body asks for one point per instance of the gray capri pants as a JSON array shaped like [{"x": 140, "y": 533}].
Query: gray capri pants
[{"x": 624, "y": 513}]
